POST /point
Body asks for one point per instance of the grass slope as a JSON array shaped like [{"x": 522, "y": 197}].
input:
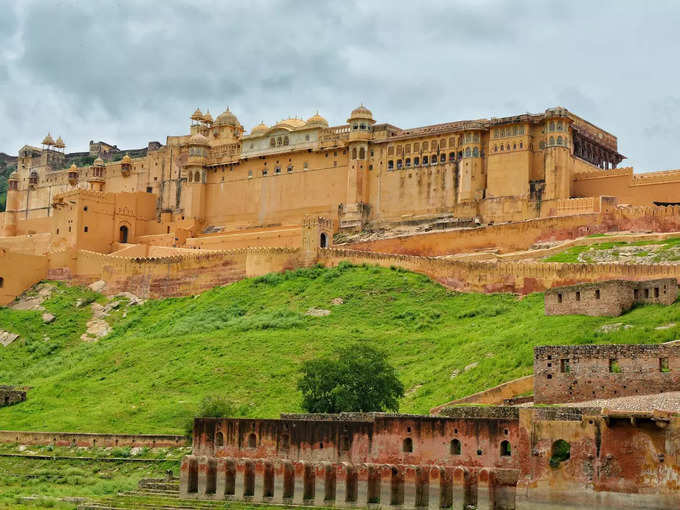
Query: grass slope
[
  {"x": 247, "y": 340},
  {"x": 667, "y": 250}
]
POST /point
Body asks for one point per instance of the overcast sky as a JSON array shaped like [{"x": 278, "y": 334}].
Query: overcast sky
[{"x": 130, "y": 72}]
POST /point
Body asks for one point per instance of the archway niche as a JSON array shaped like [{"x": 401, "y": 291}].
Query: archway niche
[
  {"x": 123, "y": 234},
  {"x": 323, "y": 240}
]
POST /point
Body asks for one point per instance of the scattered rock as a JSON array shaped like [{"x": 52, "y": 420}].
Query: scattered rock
[
  {"x": 33, "y": 298},
  {"x": 337, "y": 301},
  {"x": 317, "y": 312},
  {"x": 7, "y": 338},
  {"x": 22, "y": 448},
  {"x": 97, "y": 286},
  {"x": 454, "y": 373},
  {"x": 471, "y": 366},
  {"x": 137, "y": 450},
  {"x": 666, "y": 326},
  {"x": 608, "y": 328},
  {"x": 48, "y": 318},
  {"x": 96, "y": 329},
  {"x": 489, "y": 355},
  {"x": 134, "y": 300},
  {"x": 672, "y": 342}
]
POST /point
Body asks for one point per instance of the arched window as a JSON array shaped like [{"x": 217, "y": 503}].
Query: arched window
[
  {"x": 560, "y": 452},
  {"x": 285, "y": 442},
  {"x": 323, "y": 240},
  {"x": 425, "y": 161},
  {"x": 416, "y": 161},
  {"x": 506, "y": 449},
  {"x": 390, "y": 165},
  {"x": 475, "y": 152},
  {"x": 495, "y": 148},
  {"x": 408, "y": 445},
  {"x": 252, "y": 441},
  {"x": 2, "y": 282},
  {"x": 362, "y": 153},
  {"x": 442, "y": 157},
  {"x": 407, "y": 162},
  {"x": 279, "y": 141},
  {"x": 285, "y": 140},
  {"x": 123, "y": 234},
  {"x": 559, "y": 140},
  {"x": 197, "y": 177},
  {"x": 559, "y": 125},
  {"x": 272, "y": 142},
  {"x": 399, "y": 164},
  {"x": 452, "y": 156},
  {"x": 219, "y": 439},
  {"x": 354, "y": 153},
  {"x": 468, "y": 152},
  {"x": 552, "y": 140},
  {"x": 552, "y": 126},
  {"x": 455, "y": 447},
  {"x": 191, "y": 176}
]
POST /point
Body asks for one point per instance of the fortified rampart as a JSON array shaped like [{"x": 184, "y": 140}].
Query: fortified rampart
[
  {"x": 587, "y": 372},
  {"x": 489, "y": 458},
  {"x": 89, "y": 440},
  {"x": 609, "y": 298}
]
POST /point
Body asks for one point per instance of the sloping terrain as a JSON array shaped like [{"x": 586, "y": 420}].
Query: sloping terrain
[
  {"x": 636, "y": 252},
  {"x": 247, "y": 340}
]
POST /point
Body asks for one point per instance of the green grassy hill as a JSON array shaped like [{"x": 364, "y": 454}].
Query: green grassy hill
[{"x": 247, "y": 340}]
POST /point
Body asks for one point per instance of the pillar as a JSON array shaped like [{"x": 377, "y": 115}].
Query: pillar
[
  {"x": 240, "y": 479},
  {"x": 411, "y": 481},
  {"x": 460, "y": 484},
  {"x": 363, "y": 476},
  {"x": 386, "y": 474},
  {"x": 279, "y": 481},
  {"x": 202, "y": 475},
  {"x": 485, "y": 485},
  {"x": 343, "y": 484},
  {"x": 260, "y": 486},
  {"x": 188, "y": 473},
  {"x": 322, "y": 491},
  {"x": 434, "y": 499},
  {"x": 299, "y": 483}
]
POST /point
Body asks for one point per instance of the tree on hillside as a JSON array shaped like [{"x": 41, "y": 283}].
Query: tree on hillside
[{"x": 357, "y": 378}]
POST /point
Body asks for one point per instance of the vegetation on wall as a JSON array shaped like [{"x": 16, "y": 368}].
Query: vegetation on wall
[
  {"x": 247, "y": 341},
  {"x": 5, "y": 171}
]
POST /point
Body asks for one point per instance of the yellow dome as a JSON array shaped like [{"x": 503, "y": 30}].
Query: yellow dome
[
  {"x": 198, "y": 139},
  {"x": 207, "y": 117},
  {"x": 126, "y": 159},
  {"x": 291, "y": 123},
  {"x": 98, "y": 162},
  {"x": 261, "y": 128},
  {"x": 317, "y": 120},
  {"x": 361, "y": 112},
  {"x": 73, "y": 168},
  {"x": 197, "y": 115},
  {"x": 59, "y": 143},
  {"x": 226, "y": 118},
  {"x": 14, "y": 176},
  {"x": 48, "y": 140}
]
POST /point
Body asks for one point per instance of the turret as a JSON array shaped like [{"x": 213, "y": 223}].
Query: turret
[
  {"x": 97, "y": 175},
  {"x": 73, "y": 175},
  {"x": 354, "y": 211},
  {"x": 227, "y": 126},
  {"x": 556, "y": 155},
  {"x": 11, "y": 206},
  {"x": 126, "y": 166},
  {"x": 471, "y": 179}
]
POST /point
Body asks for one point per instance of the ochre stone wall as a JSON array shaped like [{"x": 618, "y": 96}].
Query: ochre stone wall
[
  {"x": 90, "y": 440},
  {"x": 19, "y": 272},
  {"x": 493, "y": 396},
  {"x": 588, "y": 372},
  {"x": 274, "y": 237}
]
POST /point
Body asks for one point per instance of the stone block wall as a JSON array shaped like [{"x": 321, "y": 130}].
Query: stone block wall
[
  {"x": 91, "y": 440},
  {"x": 586, "y": 372},
  {"x": 609, "y": 298}
]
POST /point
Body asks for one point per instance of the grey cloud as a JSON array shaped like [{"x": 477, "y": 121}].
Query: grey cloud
[{"x": 131, "y": 71}]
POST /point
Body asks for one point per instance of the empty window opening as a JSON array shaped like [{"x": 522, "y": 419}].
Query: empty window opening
[
  {"x": 252, "y": 441},
  {"x": 479, "y": 452},
  {"x": 284, "y": 443},
  {"x": 636, "y": 294},
  {"x": 455, "y": 447},
  {"x": 2, "y": 282},
  {"x": 219, "y": 439},
  {"x": 646, "y": 293},
  {"x": 85, "y": 208},
  {"x": 656, "y": 292},
  {"x": 123, "y": 234},
  {"x": 149, "y": 189},
  {"x": 506, "y": 449},
  {"x": 408, "y": 445},
  {"x": 564, "y": 366},
  {"x": 345, "y": 443},
  {"x": 560, "y": 452},
  {"x": 323, "y": 240},
  {"x": 614, "y": 367},
  {"x": 85, "y": 229},
  {"x": 559, "y": 298},
  {"x": 578, "y": 295},
  {"x": 597, "y": 294},
  {"x": 663, "y": 363}
]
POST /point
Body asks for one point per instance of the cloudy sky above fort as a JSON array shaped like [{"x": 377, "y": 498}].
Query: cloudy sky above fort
[{"x": 130, "y": 72}]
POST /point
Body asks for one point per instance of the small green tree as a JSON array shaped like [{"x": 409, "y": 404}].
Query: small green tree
[
  {"x": 213, "y": 406},
  {"x": 357, "y": 379}
]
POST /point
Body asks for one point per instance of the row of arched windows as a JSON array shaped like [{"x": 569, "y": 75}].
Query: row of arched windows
[
  {"x": 508, "y": 131},
  {"x": 278, "y": 140},
  {"x": 431, "y": 145},
  {"x": 558, "y": 141},
  {"x": 196, "y": 177},
  {"x": 555, "y": 126},
  {"x": 507, "y": 146},
  {"x": 361, "y": 153},
  {"x": 456, "y": 447}
]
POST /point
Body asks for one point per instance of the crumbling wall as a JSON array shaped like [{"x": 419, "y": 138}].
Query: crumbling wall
[
  {"x": 10, "y": 395},
  {"x": 586, "y": 372}
]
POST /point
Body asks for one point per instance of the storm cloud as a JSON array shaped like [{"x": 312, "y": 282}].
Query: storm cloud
[{"x": 128, "y": 71}]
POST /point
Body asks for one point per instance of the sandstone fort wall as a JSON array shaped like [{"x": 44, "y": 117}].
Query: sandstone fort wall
[
  {"x": 89, "y": 440},
  {"x": 13, "y": 282}
]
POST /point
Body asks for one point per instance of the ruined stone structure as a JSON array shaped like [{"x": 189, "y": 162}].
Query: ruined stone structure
[
  {"x": 577, "y": 373},
  {"x": 9, "y": 395},
  {"x": 492, "y": 458},
  {"x": 609, "y": 298}
]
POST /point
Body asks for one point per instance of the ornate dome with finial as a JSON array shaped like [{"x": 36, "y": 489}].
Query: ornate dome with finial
[
  {"x": 290, "y": 123},
  {"x": 197, "y": 115},
  {"x": 260, "y": 129},
  {"x": 14, "y": 176},
  {"x": 73, "y": 168},
  {"x": 98, "y": 162},
  {"x": 126, "y": 159},
  {"x": 226, "y": 118},
  {"x": 198, "y": 139},
  {"x": 207, "y": 117},
  {"x": 317, "y": 120},
  {"x": 48, "y": 140},
  {"x": 59, "y": 144},
  {"x": 361, "y": 112}
]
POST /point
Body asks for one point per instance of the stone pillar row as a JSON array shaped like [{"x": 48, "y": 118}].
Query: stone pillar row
[{"x": 340, "y": 484}]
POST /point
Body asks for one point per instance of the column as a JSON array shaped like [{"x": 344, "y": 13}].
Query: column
[
  {"x": 434, "y": 499},
  {"x": 240, "y": 479},
  {"x": 460, "y": 482},
  {"x": 321, "y": 489},
  {"x": 187, "y": 476},
  {"x": 485, "y": 485},
  {"x": 202, "y": 475},
  {"x": 386, "y": 474},
  {"x": 299, "y": 483},
  {"x": 343, "y": 474},
  {"x": 260, "y": 486},
  {"x": 411, "y": 480},
  {"x": 279, "y": 481},
  {"x": 363, "y": 475},
  {"x": 221, "y": 478}
]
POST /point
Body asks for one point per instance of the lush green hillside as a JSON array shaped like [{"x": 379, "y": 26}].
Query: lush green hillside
[{"x": 247, "y": 340}]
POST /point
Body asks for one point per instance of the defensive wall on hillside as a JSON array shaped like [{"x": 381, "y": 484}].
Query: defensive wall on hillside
[{"x": 89, "y": 440}]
